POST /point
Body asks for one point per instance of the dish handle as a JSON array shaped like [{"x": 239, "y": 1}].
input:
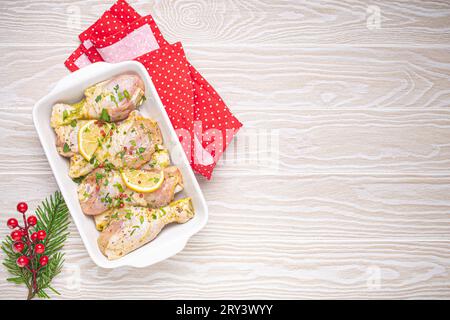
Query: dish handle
[
  {"x": 170, "y": 251},
  {"x": 81, "y": 74}
]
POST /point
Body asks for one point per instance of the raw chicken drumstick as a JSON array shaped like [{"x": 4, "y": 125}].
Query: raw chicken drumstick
[{"x": 111, "y": 100}]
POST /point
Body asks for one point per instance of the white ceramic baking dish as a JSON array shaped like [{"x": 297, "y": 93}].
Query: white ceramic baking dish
[{"x": 174, "y": 237}]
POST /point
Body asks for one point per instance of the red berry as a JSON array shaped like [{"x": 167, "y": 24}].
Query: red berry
[
  {"x": 22, "y": 207},
  {"x": 32, "y": 220},
  {"x": 41, "y": 234},
  {"x": 34, "y": 236},
  {"x": 16, "y": 235},
  {"x": 39, "y": 248},
  {"x": 18, "y": 246},
  {"x": 12, "y": 223},
  {"x": 43, "y": 260},
  {"x": 22, "y": 261}
]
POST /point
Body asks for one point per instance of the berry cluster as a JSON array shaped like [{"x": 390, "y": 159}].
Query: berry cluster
[{"x": 30, "y": 245}]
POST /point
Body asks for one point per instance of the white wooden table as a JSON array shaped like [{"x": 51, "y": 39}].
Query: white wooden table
[{"x": 356, "y": 201}]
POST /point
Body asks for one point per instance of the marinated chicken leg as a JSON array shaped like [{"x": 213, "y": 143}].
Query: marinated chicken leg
[
  {"x": 132, "y": 227},
  {"x": 130, "y": 144},
  {"x": 113, "y": 99},
  {"x": 102, "y": 190}
]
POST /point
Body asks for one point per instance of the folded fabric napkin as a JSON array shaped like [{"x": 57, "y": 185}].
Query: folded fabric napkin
[{"x": 204, "y": 124}]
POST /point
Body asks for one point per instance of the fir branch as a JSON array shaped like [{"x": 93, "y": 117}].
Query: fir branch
[{"x": 53, "y": 217}]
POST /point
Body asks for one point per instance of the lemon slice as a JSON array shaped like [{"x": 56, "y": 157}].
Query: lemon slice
[
  {"x": 89, "y": 137},
  {"x": 141, "y": 180}
]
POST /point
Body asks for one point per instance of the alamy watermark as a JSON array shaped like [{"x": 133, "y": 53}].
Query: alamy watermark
[{"x": 373, "y": 21}]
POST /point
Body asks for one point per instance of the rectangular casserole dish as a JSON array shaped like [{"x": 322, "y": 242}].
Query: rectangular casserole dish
[{"x": 172, "y": 238}]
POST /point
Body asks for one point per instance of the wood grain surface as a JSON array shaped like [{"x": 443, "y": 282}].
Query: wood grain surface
[{"x": 337, "y": 187}]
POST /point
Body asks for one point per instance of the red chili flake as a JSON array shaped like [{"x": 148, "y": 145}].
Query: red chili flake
[
  {"x": 130, "y": 153},
  {"x": 121, "y": 205},
  {"x": 97, "y": 188},
  {"x": 103, "y": 133},
  {"x": 101, "y": 165},
  {"x": 125, "y": 148},
  {"x": 141, "y": 195},
  {"x": 111, "y": 132}
]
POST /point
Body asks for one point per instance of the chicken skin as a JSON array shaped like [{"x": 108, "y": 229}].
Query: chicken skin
[
  {"x": 113, "y": 99},
  {"x": 132, "y": 227},
  {"x": 66, "y": 139}
]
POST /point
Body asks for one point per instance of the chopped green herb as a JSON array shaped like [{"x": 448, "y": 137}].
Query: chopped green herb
[
  {"x": 98, "y": 176},
  {"x": 141, "y": 219},
  {"x": 119, "y": 187},
  {"x": 65, "y": 115},
  {"x": 116, "y": 88},
  {"x": 113, "y": 99},
  {"x": 128, "y": 215},
  {"x": 105, "y": 116},
  {"x": 108, "y": 166},
  {"x": 99, "y": 97},
  {"x": 133, "y": 143},
  {"x": 73, "y": 123},
  {"x": 66, "y": 147},
  {"x": 154, "y": 216},
  {"x": 126, "y": 94},
  {"x": 141, "y": 150},
  {"x": 78, "y": 180},
  {"x": 106, "y": 199},
  {"x": 132, "y": 232},
  {"x": 120, "y": 95}
]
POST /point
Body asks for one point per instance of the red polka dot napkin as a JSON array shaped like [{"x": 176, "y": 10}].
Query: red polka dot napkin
[{"x": 204, "y": 123}]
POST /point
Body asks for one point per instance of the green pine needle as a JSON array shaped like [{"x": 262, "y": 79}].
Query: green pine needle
[{"x": 53, "y": 217}]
